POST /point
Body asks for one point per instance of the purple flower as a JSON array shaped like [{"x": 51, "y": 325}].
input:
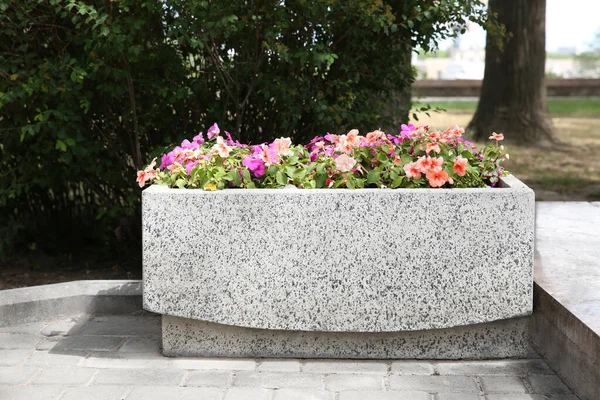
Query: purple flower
[
  {"x": 328, "y": 137},
  {"x": 213, "y": 131},
  {"x": 189, "y": 166},
  {"x": 256, "y": 165},
  {"x": 329, "y": 150},
  {"x": 406, "y": 130},
  {"x": 395, "y": 139},
  {"x": 187, "y": 145},
  {"x": 199, "y": 138}
]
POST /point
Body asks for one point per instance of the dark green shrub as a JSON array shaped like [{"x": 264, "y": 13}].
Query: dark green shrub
[{"x": 90, "y": 89}]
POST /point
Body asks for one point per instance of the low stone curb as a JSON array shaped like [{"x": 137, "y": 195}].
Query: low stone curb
[{"x": 23, "y": 305}]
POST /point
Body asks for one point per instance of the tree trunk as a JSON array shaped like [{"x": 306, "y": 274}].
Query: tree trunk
[{"x": 513, "y": 94}]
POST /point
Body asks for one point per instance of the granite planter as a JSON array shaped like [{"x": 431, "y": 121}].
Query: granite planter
[{"x": 347, "y": 273}]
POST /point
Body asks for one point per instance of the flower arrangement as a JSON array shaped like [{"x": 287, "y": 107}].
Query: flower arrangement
[{"x": 415, "y": 158}]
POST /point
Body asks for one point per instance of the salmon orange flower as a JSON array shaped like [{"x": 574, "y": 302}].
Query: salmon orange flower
[
  {"x": 433, "y": 146},
  {"x": 437, "y": 177},
  {"x": 412, "y": 170},
  {"x": 428, "y": 163},
  {"x": 460, "y": 166},
  {"x": 496, "y": 136}
]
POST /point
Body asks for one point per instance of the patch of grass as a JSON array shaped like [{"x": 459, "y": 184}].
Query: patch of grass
[{"x": 576, "y": 107}]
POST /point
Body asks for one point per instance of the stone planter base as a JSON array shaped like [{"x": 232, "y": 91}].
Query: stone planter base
[{"x": 498, "y": 339}]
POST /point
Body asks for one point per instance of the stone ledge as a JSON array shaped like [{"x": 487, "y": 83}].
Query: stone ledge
[{"x": 23, "y": 305}]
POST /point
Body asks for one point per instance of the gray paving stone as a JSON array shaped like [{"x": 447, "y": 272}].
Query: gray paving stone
[
  {"x": 500, "y": 367},
  {"x": 412, "y": 368},
  {"x": 48, "y": 343},
  {"x": 210, "y": 378},
  {"x": 341, "y": 382},
  {"x": 127, "y": 360},
  {"x": 19, "y": 341},
  {"x": 95, "y": 393},
  {"x": 457, "y": 396},
  {"x": 16, "y": 375},
  {"x": 13, "y": 357},
  {"x": 390, "y": 395},
  {"x": 157, "y": 377},
  {"x": 49, "y": 358},
  {"x": 279, "y": 365},
  {"x": 64, "y": 376},
  {"x": 234, "y": 364},
  {"x": 31, "y": 392},
  {"x": 140, "y": 345},
  {"x": 300, "y": 394},
  {"x": 62, "y": 327},
  {"x": 343, "y": 366},
  {"x": 432, "y": 384},
  {"x": 247, "y": 394},
  {"x": 502, "y": 384},
  {"x": 535, "y": 367},
  {"x": 547, "y": 384},
  {"x": 515, "y": 396},
  {"x": 493, "y": 367},
  {"x": 174, "y": 393},
  {"x": 89, "y": 343},
  {"x": 277, "y": 380},
  {"x": 116, "y": 325},
  {"x": 34, "y": 328}
]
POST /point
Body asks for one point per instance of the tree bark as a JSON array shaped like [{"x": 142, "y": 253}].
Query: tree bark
[{"x": 513, "y": 94}]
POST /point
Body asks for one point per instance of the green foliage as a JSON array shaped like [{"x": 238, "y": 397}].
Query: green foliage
[{"x": 88, "y": 89}]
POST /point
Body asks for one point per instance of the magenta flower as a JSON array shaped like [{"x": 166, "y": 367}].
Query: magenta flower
[
  {"x": 230, "y": 141},
  {"x": 198, "y": 138},
  {"x": 186, "y": 144},
  {"x": 256, "y": 165},
  {"x": 213, "y": 131},
  {"x": 167, "y": 159},
  {"x": 189, "y": 166}
]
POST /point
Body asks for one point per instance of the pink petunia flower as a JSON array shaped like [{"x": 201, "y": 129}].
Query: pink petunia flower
[
  {"x": 282, "y": 146},
  {"x": 221, "y": 148},
  {"x": 345, "y": 163}
]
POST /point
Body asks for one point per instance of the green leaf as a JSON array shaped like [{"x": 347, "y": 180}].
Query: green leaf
[
  {"x": 397, "y": 182},
  {"x": 373, "y": 176},
  {"x": 60, "y": 145},
  {"x": 280, "y": 178}
]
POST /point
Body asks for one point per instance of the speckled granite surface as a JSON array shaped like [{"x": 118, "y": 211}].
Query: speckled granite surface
[
  {"x": 366, "y": 260},
  {"x": 499, "y": 339}
]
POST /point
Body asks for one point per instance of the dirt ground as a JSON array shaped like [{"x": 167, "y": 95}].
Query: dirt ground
[
  {"x": 566, "y": 173},
  {"x": 20, "y": 272}
]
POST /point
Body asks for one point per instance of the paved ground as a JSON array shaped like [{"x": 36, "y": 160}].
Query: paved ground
[{"x": 118, "y": 357}]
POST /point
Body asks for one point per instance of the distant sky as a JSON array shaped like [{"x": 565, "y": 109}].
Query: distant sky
[{"x": 569, "y": 23}]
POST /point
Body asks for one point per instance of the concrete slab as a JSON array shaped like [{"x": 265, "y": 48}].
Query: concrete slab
[{"x": 566, "y": 321}]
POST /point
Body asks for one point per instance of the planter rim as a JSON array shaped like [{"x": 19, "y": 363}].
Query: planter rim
[{"x": 509, "y": 182}]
